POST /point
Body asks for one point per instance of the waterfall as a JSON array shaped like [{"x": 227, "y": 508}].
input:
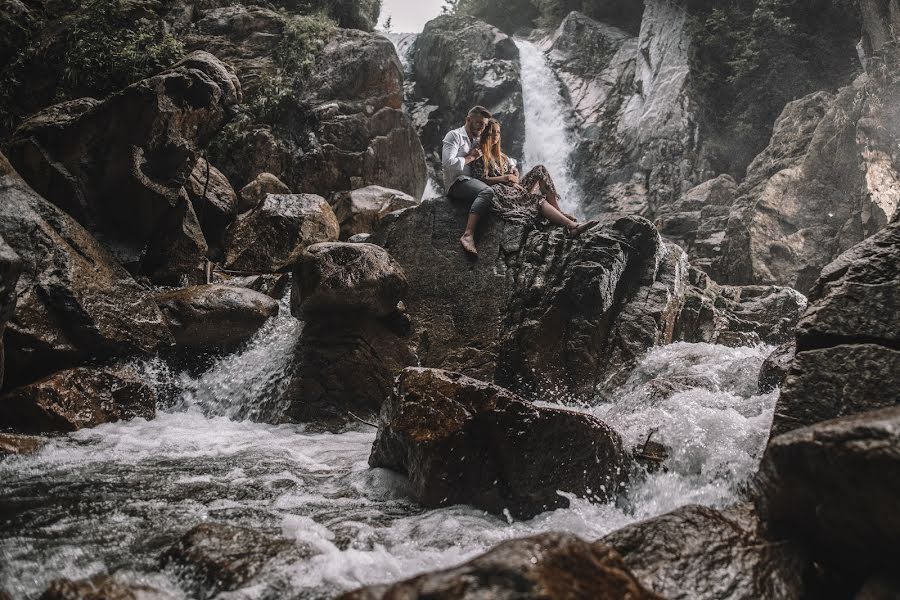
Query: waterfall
[{"x": 549, "y": 138}]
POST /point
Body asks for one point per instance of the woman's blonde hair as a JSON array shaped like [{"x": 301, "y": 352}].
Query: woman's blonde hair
[{"x": 491, "y": 151}]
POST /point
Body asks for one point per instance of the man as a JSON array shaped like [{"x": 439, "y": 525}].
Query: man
[{"x": 461, "y": 147}]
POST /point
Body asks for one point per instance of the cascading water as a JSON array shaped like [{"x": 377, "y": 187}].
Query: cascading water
[{"x": 549, "y": 140}]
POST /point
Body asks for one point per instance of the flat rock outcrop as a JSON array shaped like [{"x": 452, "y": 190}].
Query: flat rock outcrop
[
  {"x": 848, "y": 342},
  {"x": 834, "y": 486},
  {"x": 696, "y": 552},
  {"x": 74, "y": 301},
  {"x": 119, "y": 166},
  {"x": 215, "y": 317},
  {"x": 272, "y": 236},
  {"x": 359, "y": 211},
  {"x": 458, "y": 62},
  {"x": 77, "y": 398},
  {"x": 551, "y": 566},
  {"x": 463, "y": 441}
]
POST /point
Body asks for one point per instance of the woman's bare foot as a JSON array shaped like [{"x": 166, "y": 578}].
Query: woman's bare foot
[
  {"x": 468, "y": 244},
  {"x": 576, "y": 229}
]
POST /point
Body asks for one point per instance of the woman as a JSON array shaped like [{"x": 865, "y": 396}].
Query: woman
[{"x": 514, "y": 199}]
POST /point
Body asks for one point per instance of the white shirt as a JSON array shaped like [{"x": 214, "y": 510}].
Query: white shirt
[{"x": 457, "y": 144}]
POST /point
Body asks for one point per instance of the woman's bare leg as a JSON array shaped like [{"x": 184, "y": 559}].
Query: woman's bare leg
[{"x": 554, "y": 215}]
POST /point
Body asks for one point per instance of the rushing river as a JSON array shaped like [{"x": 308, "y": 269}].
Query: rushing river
[{"x": 113, "y": 498}]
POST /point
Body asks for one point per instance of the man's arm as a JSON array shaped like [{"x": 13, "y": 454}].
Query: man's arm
[{"x": 449, "y": 159}]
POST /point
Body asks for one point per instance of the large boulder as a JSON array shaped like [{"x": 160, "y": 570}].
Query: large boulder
[
  {"x": 119, "y": 166},
  {"x": 252, "y": 194},
  {"x": 458, "y": 62},
  {"x": 77, "y": 398},
  {"x": 214, "y": 201},
  {"x": 344, "y": 127},
  {"x": 537, "y": 311},
  {"x": 359, "y": 211},
  {"x": 829, "y": 178},
  {"x": 550, "y": 566},
  {"x": 848, "y": 342},
  {"x": 463, "y": 441},
  {"x": 354, "y": 340},
  {"x": 699, "y": 553},
  {"x": 272, "y": 236},
  {"x": 215, "y": 317},
  {"x": 10, "y": 268},
  {"x": 834, "y": 485},
  {"x": 74, "y": 302}
]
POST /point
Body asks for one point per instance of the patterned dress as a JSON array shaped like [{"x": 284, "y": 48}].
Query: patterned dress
[{"x": 511, "y": 202}]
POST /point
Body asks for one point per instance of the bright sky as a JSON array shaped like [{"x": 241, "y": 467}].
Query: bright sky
[{"x": 409, "y": 16}]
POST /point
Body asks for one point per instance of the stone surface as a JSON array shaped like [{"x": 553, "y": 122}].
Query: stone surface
[
  {"x": 835, "y": 486},
  {"x": 217, "y": 207},
  {"x": 848, "y": 342},
  {"x": 775, "y": 368},
  {"x": 77, "y": 398},
  {"x": 74, "y": 301},
  {"x": 698, "y": 552},
  {"x": 215, "y": 317},
  {"x": 272, "y": 236},
  {"x": 252, "y": 194},
  {"x": 463, "y": 441},
  {"x": 551, "y": 566},
  {"x": 119, "y": 166},
  {"x": 100, "y": 587},
  {"x": 10, "y": 268},
  {"x": 360, "y": 211},
  {"x": 459, "y": 62},
  {"x": 224, "y": 557},
  {"x": 274, "y": 285},
  {"x": 348, "y": 277},
  {"x": 537, "y": 311},
  {"x": 344, "y": 129},
  {"x": 12, "y": 443}
]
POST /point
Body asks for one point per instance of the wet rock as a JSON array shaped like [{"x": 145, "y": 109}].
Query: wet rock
[
  {"x": 10, "y": 268},
  {"x": 101, "y": 587},
  {"x": 360, "y": 211},
  {"x": 834, "y": 485},
  {"x": 272, "y": 236},
  {"x": 214, "y": 201},
  {"x": 775, "y": 368},
  {"x": 696, "y": 552},
  {"x": 119, "y": 166},
  {"x": 539, "y": 311},
  {"x": 828, "y": 179},
  {"x": 345, "y": 129},
  {"x": 881, "y": 22},
  {"x": 458, "y": 62},
  {"x": 252, "y": 194},
  {"x": 75, "y": 302},
  {"x": 215, "y": 316},
  {"x": 273, "y": 285},
  {"x": 879, "y": 587},
  {"x": 848, "y": 342},
  {"x": 550, "y": 566},
  {"x": 77, "y": 398},
  {"x": 12, "y": 443},
  {"x": 224, "y": 557},
  {"x": 348, "y": 277},
  {"x": 463, "y": 441}
]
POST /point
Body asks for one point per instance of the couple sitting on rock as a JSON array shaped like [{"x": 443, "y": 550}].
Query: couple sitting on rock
[{"x": 476, "y": 171}]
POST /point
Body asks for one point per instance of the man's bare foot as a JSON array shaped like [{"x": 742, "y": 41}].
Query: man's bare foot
[{"x": 468, "y": 244}]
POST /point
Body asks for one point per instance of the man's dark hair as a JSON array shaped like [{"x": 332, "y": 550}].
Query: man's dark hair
[{"x": 480, "y": 111}]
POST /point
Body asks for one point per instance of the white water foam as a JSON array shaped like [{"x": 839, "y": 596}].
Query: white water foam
[
  {"x": 549, "y": 139},
  {"x": 113, "y": 498}
]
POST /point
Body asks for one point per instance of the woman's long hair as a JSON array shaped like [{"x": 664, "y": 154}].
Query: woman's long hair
[{"x": 490, "y": 148}]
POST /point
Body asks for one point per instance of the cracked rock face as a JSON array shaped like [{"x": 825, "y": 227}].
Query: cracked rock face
[{"x": 848, "y": 342}]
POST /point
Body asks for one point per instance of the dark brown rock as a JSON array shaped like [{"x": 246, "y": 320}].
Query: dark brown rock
[
  {"x": 10, "y": 268},
  {"x": 341, "y": 276},
  {"x": 273, "y": 285},
  {"x": 12, "y": 443},
  {"x": 74, "y": 301},
  {"x": 215, "y": 317},
  {"x": 252, "y": 194},
  {"x": 775, "y": 368},
  {"x": 100, "y": 587},
  {"x": 214, "y": 200},
  {"x": 78, "y": 398},
  {"x": 848, "y": 342},
  {"x": 835, "y": 486},
  {"x": 272, "y": 236},
  {"x": 119, "y": 166},
  {"x": 698, "y": 552},
  {"x": 224, "y": 557},
  {"x": 549, "y": 566},
  {"x": 463, "y": 441},
  {"x": 359, "y": 211}
]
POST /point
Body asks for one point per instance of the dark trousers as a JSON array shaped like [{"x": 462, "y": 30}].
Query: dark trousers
[{"x": 475, "y": 191}]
